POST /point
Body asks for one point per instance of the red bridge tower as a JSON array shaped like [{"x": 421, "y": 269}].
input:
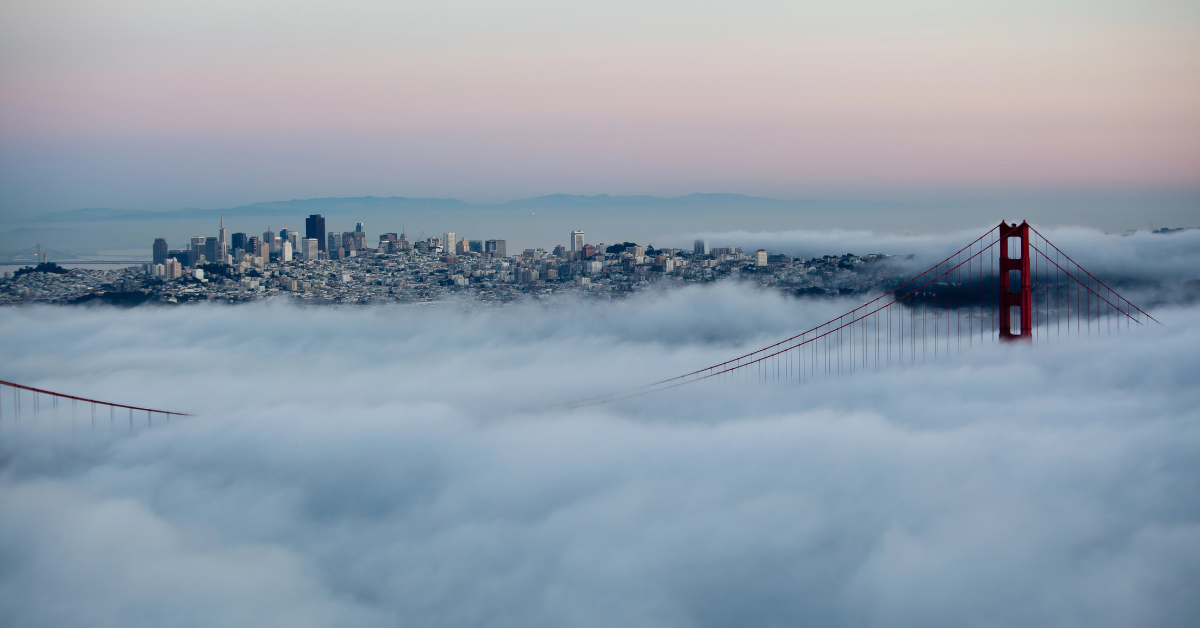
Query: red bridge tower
[{"x": 1019, "y": 296}]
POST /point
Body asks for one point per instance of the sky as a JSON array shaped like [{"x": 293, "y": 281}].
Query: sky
[{"x": 160, "y": 105}]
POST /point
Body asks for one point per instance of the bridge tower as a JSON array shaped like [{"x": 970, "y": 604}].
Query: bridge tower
[{"x": 1019, "y": 295}]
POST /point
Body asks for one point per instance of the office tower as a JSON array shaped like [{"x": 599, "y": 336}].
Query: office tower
[
  {"x": 314, "y": 227},
  {"x": 475, "y": 246},
  {"x": 172, "y": 269},
  {"x": 448, "y": 242},
  {"x": 294, "y": 238},
  {"x": 333, "y": 242},
  {"x": 577, "y": 241},
  {"x": 197, "y": 250},
  {"x": 348, "y": 241},
  {"x": 760, "y": 258},
  {"x": 264, "y": 252},
  {"x": 461, "y": 247},
  {"x": 560, "y": 250},
  {"x": 252, "y": 245},
  {"x": 312, "y": 247},
  {"x": 359, "y": 228},
  {"x": 588, "y": 252},
  {"x": 285, "y": 253},
  {"x": 360, "y": 239},
  {"x": 211, "y": 251},
  {"x": 160, "y": 250},
  {"x": 222, "y": 243},
  {"x": 495, "y": 247},
  {"x": 239, "y": 241},
  {"x": 700, "y": 247}
]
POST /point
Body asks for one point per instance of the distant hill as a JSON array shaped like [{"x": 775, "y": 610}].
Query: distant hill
[
  {"x": 332, "y": 206},
  {"x": 604, "y": 200},
  {"x": 349, "y": 205}
]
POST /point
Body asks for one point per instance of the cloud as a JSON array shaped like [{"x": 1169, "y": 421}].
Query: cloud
[{"x": 408, "y": 465}]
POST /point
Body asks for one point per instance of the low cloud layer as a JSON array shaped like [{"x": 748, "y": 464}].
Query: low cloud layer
[
  {"x": 1139, "y": 256},
  {"x": 412, "y": 466}
]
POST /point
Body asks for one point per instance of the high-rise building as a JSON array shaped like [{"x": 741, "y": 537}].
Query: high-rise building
[
  {"x": 359, "y": 228},
  {"x": 264, "y": 252},
  {"x": 239, "y": 241},
  {"x": 294, "y": 238},
  {"x": 475, "y": 246},
  {"x": 448, "y": 240},
  {"x": 461, "y": 247},
  {"x": 172, "y": 269},
  {"x": 588, "y": 251},
  {"x": 312, "y": 248},
  {"x": 196, "y": 250},
  {"x": 333, "y": 242},
  {"x": 700, "y": 247},
  {"x": 211, "y": 251},
  {"x": 576, "y": 241},
  {"x": 252, "y": 245},
  {"x": 314, "y": 227},
  {"x": 222, "y": 243},
  {"x": 495, "y": 247},
  {"x": 160, "y": 250},
  {"x": 760, "y": 258},
  {"x": 285, "y": 254}
]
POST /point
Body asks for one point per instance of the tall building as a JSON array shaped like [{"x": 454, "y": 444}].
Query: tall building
[
  {"x": 475, "y": 246},
  {"x": 314, "y": 227},
  {"x": 312, "y": 248},
  {"x": 495, "y": 247},
  {"x": 576, "y": 241},
  {"x": 333, "y": 242},
  {"x": 264, "y": 252},
  {"x": 222, "y": 243},
  {"x": 160, "y": 250},
  {"x": 239, "y": 241},
  {"x": 448, "y": 243},
  {"x": 700, "y": 247},
  {"x": 359, "y": 228},
  {"x": 461, "y": 247},
  {"x": 760, "y": 258},
  {"x": 172, "y": 269},
  {"x": 285, "y": 254},
  {"x": 212, "y": 251},
  {"x": 294, "y": 238},
  {"x": 196, "y": 251}
]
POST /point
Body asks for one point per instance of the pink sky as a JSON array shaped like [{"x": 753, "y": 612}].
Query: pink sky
[{"x": 464, "y": 99}]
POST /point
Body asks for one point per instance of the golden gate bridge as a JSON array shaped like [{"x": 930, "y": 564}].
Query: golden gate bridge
[{"x": 1010, "y": 284}]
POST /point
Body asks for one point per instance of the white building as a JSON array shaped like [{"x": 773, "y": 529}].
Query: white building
[
  {"x": 285, "y": 253},
  {"x": 760, "y": 258},
  {"x": 310, "y": 248},
  {"x": 448, "y": 243},
  {"x": 576, "y": 241}
]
